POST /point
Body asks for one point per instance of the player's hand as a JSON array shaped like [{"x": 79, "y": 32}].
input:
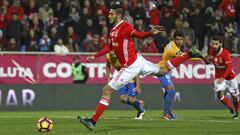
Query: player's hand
[
  {"x": 220, "y": 80},
  {"x": 157, "y": 29},
  {"x": 208, "y": 59},
  {"x": 138, "y": 90},
  {"x": 90, "y": 58}
]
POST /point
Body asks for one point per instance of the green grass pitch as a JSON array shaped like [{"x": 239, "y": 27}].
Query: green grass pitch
[{"x": 190, "y": 122}]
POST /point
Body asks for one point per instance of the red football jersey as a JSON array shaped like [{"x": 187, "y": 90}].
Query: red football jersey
[
  {"x": 221, "y": 61},
  {"x": 122, "y": 43}
]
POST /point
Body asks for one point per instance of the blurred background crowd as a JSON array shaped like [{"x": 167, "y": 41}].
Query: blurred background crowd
[{"x": 64, "y": 26}]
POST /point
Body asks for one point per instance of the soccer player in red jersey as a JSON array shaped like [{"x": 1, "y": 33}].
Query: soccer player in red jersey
[
  {"x": 224, "y": 74},
  {"x": 133, "y": 64}
]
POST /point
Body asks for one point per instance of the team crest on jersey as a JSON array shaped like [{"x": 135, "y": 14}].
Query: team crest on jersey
[
  {"x": 179, "y": 52},
  {"x": 220, "y": 60}
]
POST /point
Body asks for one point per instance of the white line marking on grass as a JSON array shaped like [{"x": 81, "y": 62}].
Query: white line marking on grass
[{"x": 123, "y": 118}]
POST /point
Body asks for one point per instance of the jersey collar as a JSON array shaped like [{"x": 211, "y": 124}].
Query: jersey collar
[
  {"x": 118, "y": 24},
  {"x": 220, "y": 52}
]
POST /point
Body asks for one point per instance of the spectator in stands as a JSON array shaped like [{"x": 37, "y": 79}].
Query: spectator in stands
[
  {"x": 162, "y": 40},
  {"x": 60, "y": 11},
  {"x": 14, "y": 28},
  {"x": 189, "y": 36},
  {"x": 102, "y": 6},
  {"x": 93, "y": 44},
  {"x": 209, "y": 17},
  {"x": 179, "y": 22},
  {"x": 149, "y": 46},
  {"x": 72, "y": 46},
  {"x": 13, "y": 45},
  {"x": 71, "y": 34},
  {"x": 139, "y": 26},
  {"x": 104, "y": 37},
  {"x": 197, "y": 22},
  {"x": 237, "y": 16},
  {"x": 30, "y": 8},
  {"x": 54, "y": 35},
  {"x": 231, "y": 34},
  {"x": 44, "y": 12},
  {"x": 167, "y": 21},
  {"x": 15, "y": 8},
  {"x": 228, "y": 9},
  {"x": 154, "y": 14},
  {"x": 3, "y": 41},
  {"x": 139, "y": 12},
  {"x": 36, "y": 24},
  {"x": 128, "y": 18},
  {"x": 45, "y": 43},
  {"x": 60, "y": 47},
  {"x": 212, "y": 3},
  {"x": 30, "y": 38},
  {"x": 74, "y": 14},
  {"x": 33, "y": 46},
  {"x": 217, "y": 26},
  {"x": 3, "y": 13}
]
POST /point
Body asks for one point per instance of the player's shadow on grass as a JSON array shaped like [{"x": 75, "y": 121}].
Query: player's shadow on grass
[
  {"x": 114, "y": 128},
  {"x": 219, "y": 117}
]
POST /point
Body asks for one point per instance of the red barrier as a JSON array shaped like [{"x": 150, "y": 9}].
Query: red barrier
[{"x": 53, "y": 69}]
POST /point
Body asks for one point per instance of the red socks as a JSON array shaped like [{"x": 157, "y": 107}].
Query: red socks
[
  {"x": 226, "y": 102},
  {"x": 102, "y": 106},
  {"x": 175, "y": 62}
]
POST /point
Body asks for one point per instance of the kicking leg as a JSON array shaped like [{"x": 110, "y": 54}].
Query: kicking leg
[{"x": 101, "y": 107}]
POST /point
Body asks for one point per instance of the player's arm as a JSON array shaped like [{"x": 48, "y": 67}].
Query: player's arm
[
  {"x": 138, "y": 86},
  {"x": 208, "y": 59},
  {"x": 105, "y": 50},
  {"x": 155, "y": 30},
  {"x": 228, "y": 62},
  {"x": 108, "y": 69}
]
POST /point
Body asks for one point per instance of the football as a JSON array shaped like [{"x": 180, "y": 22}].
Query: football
[{"x": 45, "y": 125}]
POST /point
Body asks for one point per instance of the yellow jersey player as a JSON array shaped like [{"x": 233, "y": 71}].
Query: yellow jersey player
[
  {"x": 171, "y": 50},
  {"x": 129, "y": 91}
]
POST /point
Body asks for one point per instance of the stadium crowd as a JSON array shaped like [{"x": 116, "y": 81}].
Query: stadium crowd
[{"x": 66, "y": 26}]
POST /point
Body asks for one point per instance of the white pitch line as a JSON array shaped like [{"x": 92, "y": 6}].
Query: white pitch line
[{"x": 117, "y": 118}]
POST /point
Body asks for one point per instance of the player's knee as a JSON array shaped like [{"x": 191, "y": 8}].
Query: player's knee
[
  {"x": 162, "y": 71},
  {"x": 107, "y": 91},
  {"x": 220, "y": 95},
  {"x": 170, "y": 87},
  {"x": 122, "y": 99},
  {"x": 234, "y": 97}
]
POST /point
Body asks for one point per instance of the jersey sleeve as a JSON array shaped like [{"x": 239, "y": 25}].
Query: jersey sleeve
[
  {"x": 228, "y": 63},
  {"x": 129, "y": 31}
]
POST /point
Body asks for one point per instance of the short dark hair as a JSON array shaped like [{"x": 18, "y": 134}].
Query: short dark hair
[
  {"x": 178, "y": 33},
  {"x": 118, "y": 9},
  {"x": 217, "y": 37}
]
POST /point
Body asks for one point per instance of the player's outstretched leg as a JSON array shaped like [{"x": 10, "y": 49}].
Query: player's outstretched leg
[
  {"x": 102, "y": 106},
  {"x": 175, "y": 62}
]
